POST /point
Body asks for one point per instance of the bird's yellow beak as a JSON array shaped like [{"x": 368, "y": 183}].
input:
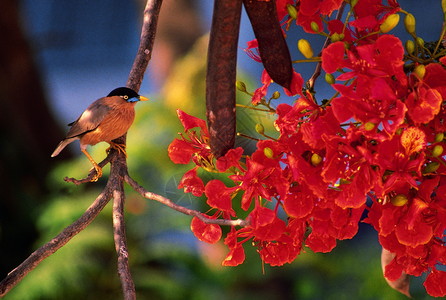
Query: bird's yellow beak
[{"x": 142, "y": 98}]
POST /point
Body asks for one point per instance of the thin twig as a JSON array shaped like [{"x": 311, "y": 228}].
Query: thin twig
[
  {"x": 187, "y": 211},
  {"x": 16, "y": 275},
  {"x": 317, "y": 72},
  {"x": 110, "y": 157},
  {"x": 148, "y": 32}
]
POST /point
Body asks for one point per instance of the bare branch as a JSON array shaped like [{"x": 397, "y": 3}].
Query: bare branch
[
  {"x": 151, "y": 13},
  {"x": 55, "y": 244},
  {"x": 128, "y": 286},
  {"x": 187, "y": 211},
  {"x": 110, "y": 157},
  {"x": 119, "y": 167}
]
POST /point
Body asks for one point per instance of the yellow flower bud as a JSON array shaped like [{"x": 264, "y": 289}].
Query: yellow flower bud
[
  {"x": 410, "y": 46},
  {"x": 260, "y": 129},
  {"x": 276, "y": 95},
  {"x": 409, "y": 23},
  {"x": 389, "y": 23},
  {"x": 305, "y": 47},
  {"x": 369, "y": 126},
  {"x": 431, "y": 167},
  {"x": 314, "y": 26},
  {"x": 329, "y": 78},
  {"x": 437, "y": 151},
  {"x": 335, "y": 37},
  {"x": 439, "y": 137},
  {"x": 268, "y": 152},
  {"x": 399, "y": 200},
  {"x": 316, "y": 159},
  {"x": 420, "y": 42},
  {"x": 292, "y": 11},
  {"x": 420, "y": 70},
  {"x": 240, "y": 85}
]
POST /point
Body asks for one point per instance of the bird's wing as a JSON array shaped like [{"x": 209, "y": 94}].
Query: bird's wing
[{"x": 89, "y": 120}]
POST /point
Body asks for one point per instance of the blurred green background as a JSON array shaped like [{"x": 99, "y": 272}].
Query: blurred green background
[{"x": 63, "y": 55}]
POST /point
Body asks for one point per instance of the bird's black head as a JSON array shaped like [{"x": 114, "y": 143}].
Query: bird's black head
[{"x": 127, "y": 94}]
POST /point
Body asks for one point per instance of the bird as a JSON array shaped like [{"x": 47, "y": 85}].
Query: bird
[{"x": 104, "y": 120}]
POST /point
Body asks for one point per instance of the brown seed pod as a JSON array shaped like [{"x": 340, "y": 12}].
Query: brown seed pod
[
  {"x": 273, "y": 49},
  {"x": 221, "y": 75}
]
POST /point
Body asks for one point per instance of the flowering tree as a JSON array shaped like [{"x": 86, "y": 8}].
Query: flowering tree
[{"x": 376, "y": 146}]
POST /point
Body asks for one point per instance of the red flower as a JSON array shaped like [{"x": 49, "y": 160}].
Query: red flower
[
  {"x": 336, "y": 26},
  {"x": 384, "y": 58},
  {"x": 209, "y": 233},
  {"x": 402, "y": 156},
  {"x": 253, "y": 45},
  {"x": 311, "y": 11},
  {"x": 192, "y": 183},
  {"x": 190, "y": 122},
  {"x": 382, "y": 137},
  {"x": 374, "y": 104},
  {"x": 320, "y": 242},
  {"x": 230, "y": 159},
  {"x": 333, "y": 57},
  {"x": 299, "y": 202},
  {"x": 413, "y": 233},
  {"x": 235, "y": 257},
  {"x": 424, "y": 102},
  {"x": 181, "y": 151},
  {"x": 346, "y": 221},
  {"x": 373, "y": 10},
  {"x": 279, "y": 252},
  {"x": 297, "y": 83},
  {"x": 236, "y": 253},
  {"x": 261, "y": 91},
  {"x": 289, "y": 117},
  {"x": 253, "y": 182},
  {"x": 195, "y": 147},
  {"x": 266, "y": 226},
  {"x": 219, "y": 196},
  {"x": 435, "y": 283},
  {"x": 281, "y": 6}
]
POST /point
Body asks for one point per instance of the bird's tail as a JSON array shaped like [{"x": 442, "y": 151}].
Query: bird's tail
[{"x": 62, "y": 145}]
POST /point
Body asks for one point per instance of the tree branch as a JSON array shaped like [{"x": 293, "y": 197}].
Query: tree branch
[
  {"x": 128, "y": 286},
  {"x": 187, "y": 211},
  {"x": 151, "y": 14},
  {"x": 110, "y": 157},
  {"x": 118, "y": 167},
  {"x": 56, "y": 243},
  {"x": 115, "y": 184}
]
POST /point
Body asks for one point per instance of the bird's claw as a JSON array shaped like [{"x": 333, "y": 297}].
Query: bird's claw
[
  {"x": 97, "y": 175},
  {"x": 119, "y": 147}
]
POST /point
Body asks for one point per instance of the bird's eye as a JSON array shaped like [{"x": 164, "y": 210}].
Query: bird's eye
[{"x": 125, "y": 97}]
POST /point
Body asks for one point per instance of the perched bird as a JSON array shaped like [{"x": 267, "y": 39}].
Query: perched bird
[{"x": 104, "y": 120}]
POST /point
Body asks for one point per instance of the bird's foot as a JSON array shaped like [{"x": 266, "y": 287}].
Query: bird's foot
[
  {"x": 98, "y": 174},
  {"x": 119, "y": 147}
]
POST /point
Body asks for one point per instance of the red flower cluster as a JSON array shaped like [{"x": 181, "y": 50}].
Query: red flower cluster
[{"x": 380, "y": 138}]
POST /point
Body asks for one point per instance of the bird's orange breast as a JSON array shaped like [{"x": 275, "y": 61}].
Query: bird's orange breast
[{"x": 117, "y": 122}]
